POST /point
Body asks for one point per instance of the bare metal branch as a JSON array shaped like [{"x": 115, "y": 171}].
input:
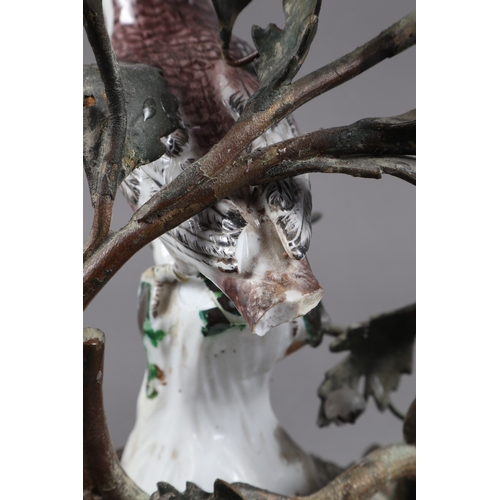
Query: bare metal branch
[
  {"x": 359, "y": 482},
  {"x": 103, "y": 474},
  {"x": 243, "y": 61},
  {"x": 368, "y": 476},
  {"x": 325, "y": 151},
  {"x": 395, "y": 411},
  {"x": 369, "y": 167},
  {"x": 392, "y": 41},
  {"x": 109, "y": 174},
  {"x": 410, "y": 424}
]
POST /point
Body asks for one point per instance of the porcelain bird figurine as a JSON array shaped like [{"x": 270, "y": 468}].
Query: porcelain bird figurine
[
  {"x": 236, "y": 269},
  {"x": 252, "y": 244}
]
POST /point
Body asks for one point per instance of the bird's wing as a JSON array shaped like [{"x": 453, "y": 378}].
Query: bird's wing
[
  {"x": 209, "y": 237},
  {"x": 288, "y": 202},
  {"x": 146, "y": 180},
  {"x": 289, "y": 206}
]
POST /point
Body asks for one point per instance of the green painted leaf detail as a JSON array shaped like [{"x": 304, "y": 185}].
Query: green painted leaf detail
[
  {"x": 214, "y": 330},
  {"x": 155, "y": 336},
  {"x": 151, "y": 372},
  {"x": 316, "y": 321},
  {"x": 151, "y": 392},
  {"x": 221, "y": 298},
  {"x": 282, "y": 51},
  {"x": 215, "y": 322}
]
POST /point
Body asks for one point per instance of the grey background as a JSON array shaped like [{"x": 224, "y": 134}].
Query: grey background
[{"x": 362, "y": 251}]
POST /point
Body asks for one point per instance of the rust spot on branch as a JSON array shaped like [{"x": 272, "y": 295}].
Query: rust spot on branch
[{"x": 89, "y": 101}]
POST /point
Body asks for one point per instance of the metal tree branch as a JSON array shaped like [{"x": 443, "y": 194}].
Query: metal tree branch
[
  {"x": 239, "y": 62},
  {"x": 394, "y": 40},
  {"x": 406, "y": 488},
  {"x": 410, "y": 424},
  {"x": 368, "y": 167},
  {"x": 103, "y": 474},
  {"x": 322, "y": 151},
  {"x": 359, "y": 482},
  {"x": 213, "y": 177},
  {"x": 109, "y": 174},
  {"x": 372, "y": 473}
]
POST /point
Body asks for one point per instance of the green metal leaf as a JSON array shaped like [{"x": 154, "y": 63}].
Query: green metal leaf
[
  {"x": 151, "y": 115},
  {"x": 380, "y": 350},
  {"x": 282, "y": 52},
  {"x": 227, "y": 11}
]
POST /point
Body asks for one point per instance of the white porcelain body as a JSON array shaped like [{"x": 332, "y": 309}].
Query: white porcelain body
[{"x": 210, "y": 415}]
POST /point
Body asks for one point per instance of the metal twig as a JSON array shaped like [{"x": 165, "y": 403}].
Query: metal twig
[
  {"x": 326, "y": 151},
  {"x": 395, "y": 411},
  {"x": 243, "y": 61},
  {"x": 109, "y": 174}
]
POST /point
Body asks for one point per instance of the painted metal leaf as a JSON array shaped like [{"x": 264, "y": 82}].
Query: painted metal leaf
[
  {"x": 151, "y": 115},
  {"x": 282, "y": 52},
  {"x": 227, "y": 11},
  {"x": 317, "y": 323},
  {"x": 166, "y": 491},
  {"x": 380, "y": 350}
]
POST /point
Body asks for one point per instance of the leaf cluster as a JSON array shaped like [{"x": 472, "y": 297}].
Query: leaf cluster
[{"x": 380, "y": 350}]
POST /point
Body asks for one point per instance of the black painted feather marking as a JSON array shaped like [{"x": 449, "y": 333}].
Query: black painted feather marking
[
  {"x": 187, "y": 162},
  {"x": 131, "y": 188},
  {"x": 280, "y": 194},
  {"x": 176, "y": 142},
  {"x": 292, "y": 125},
  {"x": 211, "y": 236},
  {"x": 237, "y": 102},
  {"x": 289, "y": 208},
  {"x": 185, "y": 248}
]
